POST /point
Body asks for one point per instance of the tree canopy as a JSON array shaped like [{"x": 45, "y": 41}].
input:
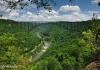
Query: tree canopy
[{"x": 21, "y": 4}]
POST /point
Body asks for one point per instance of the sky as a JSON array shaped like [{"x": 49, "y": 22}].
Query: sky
[{"x": 79, "y": 10}]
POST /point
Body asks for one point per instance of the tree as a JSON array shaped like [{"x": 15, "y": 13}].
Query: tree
[
  {"x": 21, "y": 4},
  {"x": 49, "y": 63},
  {"x": 0, "y": 15},
  {"x": 15, "y": 4}
]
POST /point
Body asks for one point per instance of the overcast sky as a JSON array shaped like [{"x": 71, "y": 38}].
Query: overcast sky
[{"x": 80, "y": 10}]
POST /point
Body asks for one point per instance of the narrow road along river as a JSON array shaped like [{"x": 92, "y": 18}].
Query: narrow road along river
[{"x": 44, "y": 48}]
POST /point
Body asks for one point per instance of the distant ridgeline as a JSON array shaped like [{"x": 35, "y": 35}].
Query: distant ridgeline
[
  {"x": 29, "y": 26},
  {"x": 6, "y": 22},
  {"x": 74, "y": 26}
]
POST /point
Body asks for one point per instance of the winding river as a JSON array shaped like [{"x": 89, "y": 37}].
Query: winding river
[{"x": 44, "y": 48}]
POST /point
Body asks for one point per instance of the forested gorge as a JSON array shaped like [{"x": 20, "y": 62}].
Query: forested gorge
[
  {"x": 69, "y": 50},
  {"x": 14, "y": 43}
]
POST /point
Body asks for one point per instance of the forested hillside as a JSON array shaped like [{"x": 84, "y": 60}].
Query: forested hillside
[
  {"x": 68, "y": 50},
  {"x": 14, "y": 43}
]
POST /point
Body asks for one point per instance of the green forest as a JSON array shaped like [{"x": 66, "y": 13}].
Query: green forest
[{"x": 69, "y": 49}]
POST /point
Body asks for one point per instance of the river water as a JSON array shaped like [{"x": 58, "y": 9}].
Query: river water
[{"x": 44, "y": 48}]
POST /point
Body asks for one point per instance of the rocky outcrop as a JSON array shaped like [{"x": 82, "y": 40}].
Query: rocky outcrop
[{"x": 93, "y": 66}]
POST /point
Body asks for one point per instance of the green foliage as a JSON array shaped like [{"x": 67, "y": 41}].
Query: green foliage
[
  {"x": 27, "y": 40},
  {"x": 14, "y": 42},
  {"x": 47, "y": 39},
  {"x": 35, "y": 50},
  {"x": 10, "y": 54},
  {"x": 68, "y": 50},
  {"x": 73, "y": 50},
  {"x": 49, "y": 63}
]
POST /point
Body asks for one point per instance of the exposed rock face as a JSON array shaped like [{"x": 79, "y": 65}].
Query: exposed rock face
[{"x": 93, "y": 66}]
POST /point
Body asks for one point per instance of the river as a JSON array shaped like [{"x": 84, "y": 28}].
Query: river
[{"x": 44, "y": 48}]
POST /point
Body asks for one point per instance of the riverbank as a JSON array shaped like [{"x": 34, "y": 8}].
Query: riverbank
[
  {"x": 44, "y": 48},
  {"x": 35, "y": 53}
]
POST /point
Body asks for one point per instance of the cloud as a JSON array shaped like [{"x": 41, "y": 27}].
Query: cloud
[
  {"x": 75, "y": 15},
  {"x": 56, "y": 15},
  {"x": 13, "y": 14},
  {"x": 34, "y": 17},
  {"x": 53, "y": 12},
  {"x": 29, "y": 13},
  {"x": 97, "y": 12},
  {"x": 68, "y": 8},
  {"x": 95, "y": 1}
]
